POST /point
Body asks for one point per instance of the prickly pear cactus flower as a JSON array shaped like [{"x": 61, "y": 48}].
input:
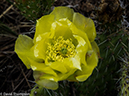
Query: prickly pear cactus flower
[{"x": 63, "y": 48}]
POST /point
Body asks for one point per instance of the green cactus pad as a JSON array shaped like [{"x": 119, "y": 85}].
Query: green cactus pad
[
  {"x": 33, "y": 9},
  {"x": 112, "y": 42}
]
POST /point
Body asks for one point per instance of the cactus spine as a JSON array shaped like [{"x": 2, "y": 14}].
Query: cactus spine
[{"x": 124, "y": 83}]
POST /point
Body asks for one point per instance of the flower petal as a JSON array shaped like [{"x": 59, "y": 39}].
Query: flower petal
[
  {"x": 22, "y": 48},
  {"x": 43, "y": 25},
  {"x": 95, "y": 47},
  {"x": 80, "y": 33},
  {"x": 82, "y": 78},
  {"x": 85, "y": 24},
  {"x": 82, "y": 75},
  {"x": 66, "y": 75},
  {"x": 41, "y": 46},
  {"x": 49, "y": 84},
  {"x": 62, "y": 12},
  {"x": 67, "y": 30},
  {"x": 45, "y": 80},
  {"x": 59, "y": 66},
  {"x": 61, "y": 28},
  {"x": 81, "y": 49},
  {"x": 36, "y": 66},
  {"x": 72, "y": 62},
  {"x": 37, "y": 75},
  {"x": 92, "y": 61},
  {"x": 49, "y": 77}
]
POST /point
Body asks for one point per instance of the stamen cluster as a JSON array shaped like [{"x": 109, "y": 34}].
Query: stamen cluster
[{"x": 60, "y": 49}]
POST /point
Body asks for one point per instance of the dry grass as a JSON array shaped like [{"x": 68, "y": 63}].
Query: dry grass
[{"x": 14, "y": 77}]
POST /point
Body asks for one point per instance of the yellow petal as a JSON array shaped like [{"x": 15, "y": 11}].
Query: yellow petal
[
  {"x": 49, "y": 84},
  {"x": 36, "y": 66},
  {"x": 81, "y": 48},
  {"x": 49, "y": 77},
  {"x": 72, "y": 62},
  {"x": 81, "y": 33},
  {"x": 82, "y": 75},
  {"x": 22, "y": 48},
  {"x": 59, "y": 77},
  {"x": 85, "y": 24},
  {"x": 95, "y": 47},
  {"x": 67, "y": 29},
  {"x": 66, "y": 75},
  {"x": 82, "y": 78},
  {"x": 58, "y": 65},
  {"x": 62, "y": 12},
  {"x": 76, "y": 62},
  {"x": 60, "y": 29},
  {"x": 37, "y": 75},
  {"x": 92, "y": 60},
  {"x": 40, "y": 46},
  {"x": 43, "y": 25}
]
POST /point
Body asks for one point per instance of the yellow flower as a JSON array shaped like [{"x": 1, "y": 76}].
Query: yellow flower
[{"x": 63, "y": 48}]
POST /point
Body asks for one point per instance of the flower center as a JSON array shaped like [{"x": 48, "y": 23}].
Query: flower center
[
  {"x": 60, "y": 49},
  {"x": 64, "y": 50}
]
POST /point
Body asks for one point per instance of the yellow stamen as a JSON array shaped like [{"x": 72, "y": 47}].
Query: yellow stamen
[{"x": 60, "y": 49}]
